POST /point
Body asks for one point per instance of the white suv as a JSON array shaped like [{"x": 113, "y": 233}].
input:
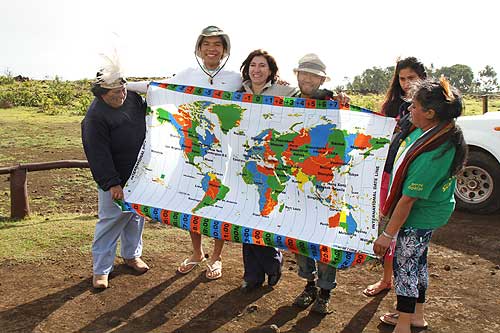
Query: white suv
[{"x": 478, "y": 185}]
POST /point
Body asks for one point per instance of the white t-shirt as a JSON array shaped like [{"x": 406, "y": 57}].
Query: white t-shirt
[{"x": 224, "y": 80}]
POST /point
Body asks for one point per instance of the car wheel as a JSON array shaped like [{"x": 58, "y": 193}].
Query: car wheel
[{"x": 478, "y": 184}]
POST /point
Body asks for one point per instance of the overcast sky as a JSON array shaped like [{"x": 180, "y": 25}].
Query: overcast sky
[{"x": 42, "y": 38}]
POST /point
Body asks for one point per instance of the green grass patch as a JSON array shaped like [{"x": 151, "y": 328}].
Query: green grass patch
[
  {"x": 474, "y": 104},
  {"x": 53, "y": 236},
  {"x": 371, "y": 101},
  {"x": 24, "y": 129},
  {"x": 41, "y": 237}
]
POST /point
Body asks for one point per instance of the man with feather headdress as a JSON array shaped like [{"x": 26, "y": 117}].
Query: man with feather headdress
[{"x": 113, "y": 131}]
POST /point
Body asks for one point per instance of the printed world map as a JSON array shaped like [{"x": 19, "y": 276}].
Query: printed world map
[{"x": 308, "y": 174}]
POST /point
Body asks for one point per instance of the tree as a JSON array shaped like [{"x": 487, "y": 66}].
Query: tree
[
  {"x": 431, "y": 70},
  {"x": 460, "y": 76},
  {"x": 373, "y": 80},
  {"x": 487, "y": 81},
  {"x": 355, "y": 85}
]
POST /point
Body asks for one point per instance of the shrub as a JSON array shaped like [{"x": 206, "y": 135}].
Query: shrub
[{"x": 51, "y": 96}]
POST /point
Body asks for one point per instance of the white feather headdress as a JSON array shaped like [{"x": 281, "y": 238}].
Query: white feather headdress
[{"x": 111, "y": 76}]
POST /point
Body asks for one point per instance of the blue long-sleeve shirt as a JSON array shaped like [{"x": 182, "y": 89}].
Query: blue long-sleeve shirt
[{"x": 112, "y": 139}]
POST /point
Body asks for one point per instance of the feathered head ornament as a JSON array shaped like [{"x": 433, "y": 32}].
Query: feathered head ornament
[
  {"x": 110, "y": 76},
  {"x": 445, "y": 84}
]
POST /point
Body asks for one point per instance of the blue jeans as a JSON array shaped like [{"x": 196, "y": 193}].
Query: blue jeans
[
  {"x": 114, "y": 224},
  {"x": 309, "y": 268}
]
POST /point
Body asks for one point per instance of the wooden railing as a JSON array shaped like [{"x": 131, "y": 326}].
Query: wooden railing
[{"x": 19, "y": 202}]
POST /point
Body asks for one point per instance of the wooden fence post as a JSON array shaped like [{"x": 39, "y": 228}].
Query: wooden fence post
[
  {"x": 19, "y": 205},
  {"x": 485, "y": 103}
]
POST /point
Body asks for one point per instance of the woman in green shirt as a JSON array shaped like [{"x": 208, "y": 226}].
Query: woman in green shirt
[{"x": 421, "y": 195}]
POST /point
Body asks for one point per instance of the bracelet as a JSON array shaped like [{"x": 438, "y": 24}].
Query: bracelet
[{"x": 387, "y": 235}]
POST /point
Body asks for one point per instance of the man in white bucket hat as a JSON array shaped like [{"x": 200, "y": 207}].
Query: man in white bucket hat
[
  {"x": 311, "y": 74},
  {"x": 213, "y": 48}
]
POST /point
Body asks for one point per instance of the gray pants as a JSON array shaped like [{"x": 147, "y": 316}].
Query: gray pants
[
  {"x": 114, "y": 224},
  {"x": 309, "y": 268}
]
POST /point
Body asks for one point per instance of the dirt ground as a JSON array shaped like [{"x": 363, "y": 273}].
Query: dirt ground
[{"x": 56, "y": 295}]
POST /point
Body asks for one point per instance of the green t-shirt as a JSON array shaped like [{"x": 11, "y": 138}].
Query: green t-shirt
[{"x": 428, "y": 179}]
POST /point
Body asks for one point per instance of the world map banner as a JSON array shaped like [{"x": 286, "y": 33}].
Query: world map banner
[{"x": 298, "y": 174}]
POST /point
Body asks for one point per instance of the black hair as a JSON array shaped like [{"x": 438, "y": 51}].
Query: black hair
[
  {"x": 271, "y": 62},
  {"x": 392, "y": 101},
  {"x": 223, "y": 40},
  {"x": 444, "y": 99},
  {"x": 447, "y": 103},
  {"x": 98, "y": 91}
]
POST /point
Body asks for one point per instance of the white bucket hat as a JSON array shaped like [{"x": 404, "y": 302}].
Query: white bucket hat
[
  {"x": 312, "y": 64},
  {"x": 211, "y": 31}
]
